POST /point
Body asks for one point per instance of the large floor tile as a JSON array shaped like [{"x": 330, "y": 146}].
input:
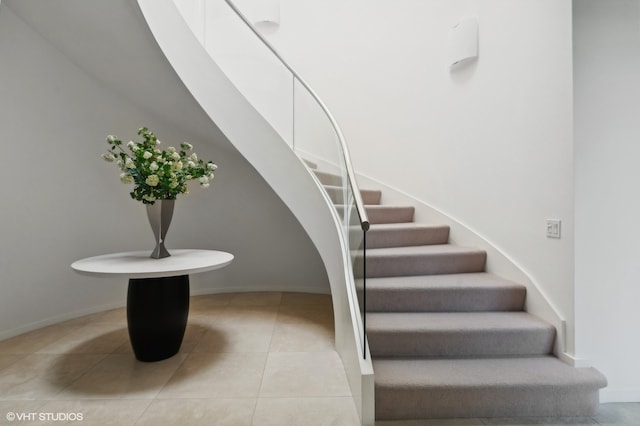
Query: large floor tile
[
  {"x": 122, "y": 376},
  {"x": 229, "y": 337},
  {"x": 43, "y": 376},
  {"x": 431, "y": 422},
  {"x": 541, "y": 421},
  {"x": 304, "y": 374},
  {"x": 199, "y": 412},
  {"x": 101, "y": 412},
  {"x": 256, "y": 299},
  {"x": 330, "y": 411},
  {"x": 243, "y": 315},
  {"x": 302, "y": 337},
  {"x": 298, "y": 299},
  {"x": 10, "y": 410},
  {"x": 101, "y": 338},
  {"x": 35, "y": 340},
  {"x": 222, "y": 374},
  {"x": 8, "y": 359},
  {"x": 209, "y": 301},
  {"x": 619, "y": 414}
]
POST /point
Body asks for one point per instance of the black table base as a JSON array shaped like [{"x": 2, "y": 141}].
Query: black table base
[{"x": 157, "y": 312}]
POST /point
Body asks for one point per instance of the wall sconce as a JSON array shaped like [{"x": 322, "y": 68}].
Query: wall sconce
[
  {"x": 267, "y": 14},
  {"x": 463, "y": 42}
]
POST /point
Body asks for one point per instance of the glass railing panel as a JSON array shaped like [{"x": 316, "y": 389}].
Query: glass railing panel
[{"x": 357, "y": 248}]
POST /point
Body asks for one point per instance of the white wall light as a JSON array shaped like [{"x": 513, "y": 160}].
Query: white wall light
[
  {"x": 463, "y": 42},
  {"x": 267, "y": 14}
]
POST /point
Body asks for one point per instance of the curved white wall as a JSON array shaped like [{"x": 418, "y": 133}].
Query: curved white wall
[{"x": 61, "y": 202}]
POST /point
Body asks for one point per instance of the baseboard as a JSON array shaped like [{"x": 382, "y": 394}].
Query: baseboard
[{"x": 619, "y": 395}]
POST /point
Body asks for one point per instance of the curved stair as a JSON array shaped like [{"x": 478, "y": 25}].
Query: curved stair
[{"x": 449, "y": 340}]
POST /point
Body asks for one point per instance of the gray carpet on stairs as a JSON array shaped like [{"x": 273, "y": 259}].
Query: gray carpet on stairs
[{"x": 448, "y": 339}]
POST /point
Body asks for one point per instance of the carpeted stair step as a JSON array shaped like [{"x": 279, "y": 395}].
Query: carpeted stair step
[
  {"x": 328, "y": 178},
  {"x": 406, "y": 234},
  {"x": 312, "y": 165},
  {"x": 494, "y": 387},
  {"x": 336, "y": 194},
  {"x": 458, "y": 334},
  {"x": 470, "y": 292},
  {"x": 371, "y": 196},
  {"x": 390, "y": 214},
  {"x": 423, "y": 260}
]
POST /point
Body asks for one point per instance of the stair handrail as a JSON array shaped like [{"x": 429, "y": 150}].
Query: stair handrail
[{"x": 364, "y": 219}]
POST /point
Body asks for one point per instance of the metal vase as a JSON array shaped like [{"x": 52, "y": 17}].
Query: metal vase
[{"x": 160, "y": 214}]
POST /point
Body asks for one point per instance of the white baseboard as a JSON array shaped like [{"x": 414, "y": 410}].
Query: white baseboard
[{"x": 619, "y": 395}]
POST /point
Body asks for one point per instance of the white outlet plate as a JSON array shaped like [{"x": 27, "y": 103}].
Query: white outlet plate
[{"x": 553, "y": 228}]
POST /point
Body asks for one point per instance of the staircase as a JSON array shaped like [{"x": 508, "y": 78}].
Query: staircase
[{"x": 449, "y": 340}]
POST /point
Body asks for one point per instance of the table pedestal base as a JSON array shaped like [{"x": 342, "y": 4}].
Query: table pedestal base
[{"x": 157, "y": 312}]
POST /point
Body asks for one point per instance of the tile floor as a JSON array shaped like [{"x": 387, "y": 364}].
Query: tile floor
[{"x": 247, "y": 359}]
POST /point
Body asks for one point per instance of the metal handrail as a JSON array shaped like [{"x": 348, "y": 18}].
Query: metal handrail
[{"x": 364, "y": 220}]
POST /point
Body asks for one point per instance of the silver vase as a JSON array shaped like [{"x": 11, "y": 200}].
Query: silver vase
[{"x": 160, "y": 214}]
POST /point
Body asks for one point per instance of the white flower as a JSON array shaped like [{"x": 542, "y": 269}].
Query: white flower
[
  {"x": 191, "y": 164},
  {"x": 149, "y": 197},
  {"x": 147, "y": 155},
  {"x": 205, "y": 185},
  {"x": 204, "y": 180},
  {"x": 177, "y": 165},
  {"x": 153, "y": 166},
  {"x": 173, "y": 184},
  {"x": 171, "y": 150},
  {"x": 211, "y": 166},
  {"x": 129, "y": 164},
  {"x": 193, "y": 157},
  {"x": 108, "y": 157},
  {"x": 111, "y": 139},
  {"x": 126, "y": 178},
  {"x": 186, "y": 146},
  {"x": 152, "y": 180},
  {"x": 175, "y": 156}
]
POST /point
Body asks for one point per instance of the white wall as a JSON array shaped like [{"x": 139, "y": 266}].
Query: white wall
[
  {"x": 61, "y": 202},
  {"x": 607, "y": 107},
  {"x": 489, "y": 145}
]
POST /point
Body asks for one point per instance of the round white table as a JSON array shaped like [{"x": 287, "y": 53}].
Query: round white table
[{"x": 158, "y": 294}]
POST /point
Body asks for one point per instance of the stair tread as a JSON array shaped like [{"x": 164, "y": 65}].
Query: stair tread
[
  {"x": 406, "y": 234},
  {"x": 402, "y": 226},
  {"x": 473, "y": 280},
  {"x": 539, "y": 371},
  {"x": 423, "y": 260},
  {"x": 432, "y": 249},
  {"x": 447, "y": 322},
  {"x": 468, "y": 292}
]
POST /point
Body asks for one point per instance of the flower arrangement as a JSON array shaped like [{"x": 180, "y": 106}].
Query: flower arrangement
[{"x": 157, "y": 174}]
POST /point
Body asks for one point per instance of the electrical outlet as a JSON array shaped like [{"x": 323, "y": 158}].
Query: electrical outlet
[{"x": 553, "y": 228}]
